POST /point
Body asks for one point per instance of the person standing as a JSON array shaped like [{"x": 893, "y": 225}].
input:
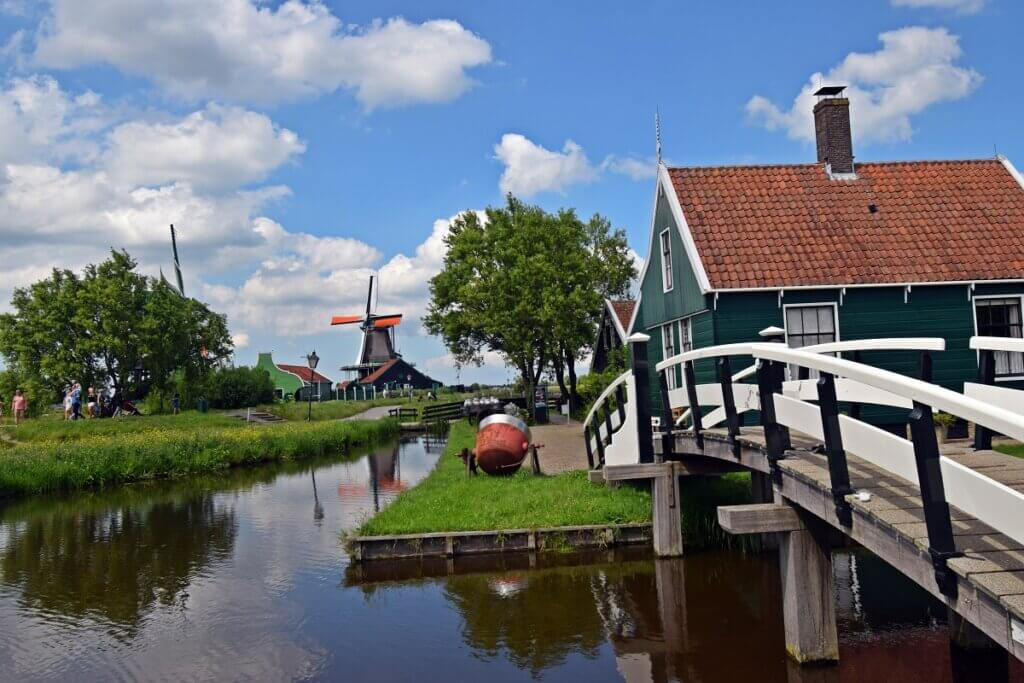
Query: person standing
[
  {"x": 175, "y": 404},
  {"x": 19, "y": 406},
  {"x": 76, "y": 401}
]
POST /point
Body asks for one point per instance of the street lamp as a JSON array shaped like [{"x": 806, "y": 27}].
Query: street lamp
[{"x": 311, "y": 360}]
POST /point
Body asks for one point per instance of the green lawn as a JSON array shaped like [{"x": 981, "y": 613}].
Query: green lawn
[
  {"x": 448, "y": 500},
  {"x": 1014, "y": 449},
  {"x": 53, "y": 427}
]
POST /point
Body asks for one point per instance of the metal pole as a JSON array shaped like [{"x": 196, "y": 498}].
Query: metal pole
[{"x": 309, "y": 415}]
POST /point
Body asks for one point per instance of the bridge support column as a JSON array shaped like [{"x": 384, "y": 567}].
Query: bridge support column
[
  {"x": 762, "y": 491},
  {"x": 667, "y": 518},
  {"x": 808, "y": 605}
]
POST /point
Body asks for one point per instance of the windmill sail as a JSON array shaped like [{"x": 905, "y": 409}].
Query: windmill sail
[{"x": 177, "y": 263}]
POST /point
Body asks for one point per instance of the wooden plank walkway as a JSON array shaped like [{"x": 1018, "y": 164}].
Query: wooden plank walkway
[{"x": 891, "y": 523}]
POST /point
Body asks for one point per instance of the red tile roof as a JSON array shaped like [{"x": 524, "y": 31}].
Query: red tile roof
[
  {"x": 303, "y": 372},
  {"x": 624, "y": 311},
  {"x": 373, "y": 376},
  {"x": 784, "y": 226}
]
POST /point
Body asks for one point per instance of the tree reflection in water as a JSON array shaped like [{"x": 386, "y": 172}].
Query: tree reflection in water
[{"x": 113, "y": 560}]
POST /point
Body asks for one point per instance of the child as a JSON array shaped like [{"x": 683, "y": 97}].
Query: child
[
  {"x": 67, "y": 404},
  {"x": 175, "y": 404},
  {"x": 19, "y": 405}
]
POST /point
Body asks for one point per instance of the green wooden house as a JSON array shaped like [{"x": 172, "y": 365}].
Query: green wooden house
[
  {"x": 837, "y": 250},
  {"x": 292, "y": 381}
]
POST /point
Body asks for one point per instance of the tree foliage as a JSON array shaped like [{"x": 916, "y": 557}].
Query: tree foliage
[
  {"x": 527, "y": 285},
  {"x": 110, "y": 325},
  {"x": 239, "y": 387}
]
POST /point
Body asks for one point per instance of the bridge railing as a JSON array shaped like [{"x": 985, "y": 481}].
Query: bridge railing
[
  {"x": 746, "y": 395},
  {"x": 620, "y": 434},
  {"x": 941, "y": 480},
  {"x": 986, "y": 389}
]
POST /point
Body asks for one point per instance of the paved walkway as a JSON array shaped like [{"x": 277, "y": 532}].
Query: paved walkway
[
  {"x": 563, "y": 450},
  {"x": 375, "y": 413}
]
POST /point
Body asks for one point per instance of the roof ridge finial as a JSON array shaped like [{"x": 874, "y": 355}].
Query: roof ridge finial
[{"x": 657, "y": 133}]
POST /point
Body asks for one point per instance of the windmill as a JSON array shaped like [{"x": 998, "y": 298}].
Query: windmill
[{"x": 378, "y": 343}]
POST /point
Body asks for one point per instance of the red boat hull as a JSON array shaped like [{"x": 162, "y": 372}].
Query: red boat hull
[{"x": 502, "y": 443}]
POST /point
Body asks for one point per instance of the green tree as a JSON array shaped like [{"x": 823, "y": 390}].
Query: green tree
[
  {"x": 593, "y": 263},
  {"x": 111, "y": 325},
  {"x": 488, "y": 294},
  {"x": 528, "y": 285}
]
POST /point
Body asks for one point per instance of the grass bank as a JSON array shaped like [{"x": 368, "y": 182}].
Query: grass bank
[
  {"x": 1014, "y": 449},
  {"x": 53, "y": 465},
  {"x": 337, "y": 410},
  {"x": 448, "y": 500},
  {"x": 55, "y": 428}
]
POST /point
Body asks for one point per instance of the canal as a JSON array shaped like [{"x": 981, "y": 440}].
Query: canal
[{"x": 241, "y": 577}]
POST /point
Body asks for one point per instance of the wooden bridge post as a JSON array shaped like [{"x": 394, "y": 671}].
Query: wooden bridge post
[
  {"x": 642, "y": 400},
  {"x": 986, "y": 375},
  {"x": 805, "y": 563},
  {"x": 666, "y": 518},
  {"x": 808, "y": 604}
]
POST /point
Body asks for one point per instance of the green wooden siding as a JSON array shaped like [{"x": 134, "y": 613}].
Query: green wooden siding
[
  {"x": 285, "y": 381},
  {"x": 685, "y": 298},
  {"x": 871, "y": 313}
]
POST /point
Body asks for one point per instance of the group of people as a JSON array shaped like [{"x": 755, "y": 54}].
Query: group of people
[
  {"x": 19, "y": 406},
  {"x": 73, "y": 402}
]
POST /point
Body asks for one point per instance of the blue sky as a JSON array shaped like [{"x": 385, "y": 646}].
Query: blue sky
[{"x": 300, "y": 146}]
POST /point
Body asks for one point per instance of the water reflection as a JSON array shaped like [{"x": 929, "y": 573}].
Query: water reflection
[
  {"x": 114, "y": 562},
  {"x": 714, "y": 616}
]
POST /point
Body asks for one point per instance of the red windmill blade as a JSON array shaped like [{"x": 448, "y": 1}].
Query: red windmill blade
[{"x": 378, "y": 344}]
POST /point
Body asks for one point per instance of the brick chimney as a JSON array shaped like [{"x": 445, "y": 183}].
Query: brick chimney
[{"x": 832, "y": 130}]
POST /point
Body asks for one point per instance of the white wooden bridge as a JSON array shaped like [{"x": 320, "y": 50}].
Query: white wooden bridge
[{"x": 950, "y": 517}]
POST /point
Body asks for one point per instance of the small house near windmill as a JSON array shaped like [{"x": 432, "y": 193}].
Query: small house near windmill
[
  {"x": 616, "y": 317},
  {"x": 292, "y": 381},
  {"x": 378, "y": 366},
  {"x": 834, "y": 251}
]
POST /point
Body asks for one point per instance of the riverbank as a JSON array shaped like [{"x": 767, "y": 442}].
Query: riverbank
[
  {"x": 448, "y": 500},
  {"x": 151, "y": 448},
  {"x": 339, "y": 410}
]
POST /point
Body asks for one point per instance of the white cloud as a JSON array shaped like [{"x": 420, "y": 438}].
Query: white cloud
[
  {"x": 240, "y": 340},
  {"x": 216, "y": 148},
  {"x": 530, "y": 168},
  {"x": 246, "y": 50},
  {"x": 913, "y": 70},
  {"x": 960, "y": 6},
  {"x": 311, "y": 278},
  {"x": 42, "y": 121},
  {"x": 635, "y": 168}
]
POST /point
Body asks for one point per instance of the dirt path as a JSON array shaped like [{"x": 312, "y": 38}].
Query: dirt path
[{"x": 375, "y": 413}]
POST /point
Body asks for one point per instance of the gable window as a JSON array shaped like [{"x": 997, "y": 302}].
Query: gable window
[
  {"x": 1001, "y": 318},
  {"x": 668, "y": 345},
  {"x": 666, "y": 260}
]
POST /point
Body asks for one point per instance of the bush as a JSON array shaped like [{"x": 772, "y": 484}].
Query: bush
[
  {"x": 38, "y": 397},
  {"x": 238, "y": 388}
]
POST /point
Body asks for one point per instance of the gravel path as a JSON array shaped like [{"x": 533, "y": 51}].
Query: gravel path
[{"x": 563, "y": 450}]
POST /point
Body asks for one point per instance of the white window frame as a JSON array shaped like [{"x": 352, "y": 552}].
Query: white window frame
[
  {"x": 974, "y": 315},
  {"x": 685, "y": 341},
  {"x": 667, "y": 268},
  {"x": 819, "y": 304},
  {"x": 668, "y": 349},
  {"x": 791, "y": 369}
]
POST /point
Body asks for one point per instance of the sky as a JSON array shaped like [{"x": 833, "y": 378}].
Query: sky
[{"x": 300, "y": 146}]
